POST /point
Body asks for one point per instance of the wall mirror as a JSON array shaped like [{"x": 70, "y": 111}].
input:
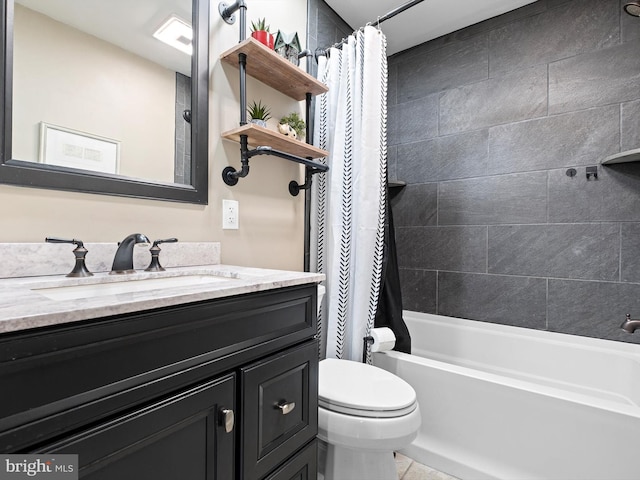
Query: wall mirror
[{"x": 95, "y": 102}]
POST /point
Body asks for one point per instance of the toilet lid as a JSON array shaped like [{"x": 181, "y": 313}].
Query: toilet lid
[{"x": 363, "y": 390}]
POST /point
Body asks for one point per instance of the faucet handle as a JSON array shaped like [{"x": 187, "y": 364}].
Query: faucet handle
[
  {"x": 166, "y": 240},
  {"x": 155, "y": 266},
  {"x": 80, "y": 252},
  {"x": 64, "y": 240}
]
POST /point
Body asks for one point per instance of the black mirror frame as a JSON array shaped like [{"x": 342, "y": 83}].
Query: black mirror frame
[{"x": 30, "y": 174}]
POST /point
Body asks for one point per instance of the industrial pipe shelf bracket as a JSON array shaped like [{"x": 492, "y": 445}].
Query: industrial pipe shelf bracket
[
  {"x": 230, "y": 175},
  {"x": 227, "y": 12},
  {"x": 295, "y": 187}
]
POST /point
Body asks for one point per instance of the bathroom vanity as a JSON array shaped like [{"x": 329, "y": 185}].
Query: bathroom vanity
[{"x": 216, "y": 379}]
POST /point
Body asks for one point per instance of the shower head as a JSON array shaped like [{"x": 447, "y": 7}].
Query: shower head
[{"x": 632, "y": 8}]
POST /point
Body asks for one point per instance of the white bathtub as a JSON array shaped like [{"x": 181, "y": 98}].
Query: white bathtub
[{"x": 510, "y": 403}]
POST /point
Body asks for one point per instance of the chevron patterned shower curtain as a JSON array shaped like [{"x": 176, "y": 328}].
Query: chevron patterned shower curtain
[{"x": 348, "y": 202}]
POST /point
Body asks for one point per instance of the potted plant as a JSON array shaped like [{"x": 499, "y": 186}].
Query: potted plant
[
  {"x": 260, "y": 31},
  {"x": 296, "y": 123},
  {"x": 259, "y": 113}
]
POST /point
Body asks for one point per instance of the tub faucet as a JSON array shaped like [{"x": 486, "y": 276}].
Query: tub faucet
[
  {"x": 630, "y": 325},
  {"x": 123, "y": 261}
]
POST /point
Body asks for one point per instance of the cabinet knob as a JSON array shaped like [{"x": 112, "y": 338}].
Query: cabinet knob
[
  {"x": 286, "y": 407},
  {"x": 227, "y": 418}
]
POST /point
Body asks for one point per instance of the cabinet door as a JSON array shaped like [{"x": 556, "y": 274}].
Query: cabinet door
[
  {"x": 304, "y": 466},
  {"x": 279, "y": 409},
  {"x": 184, "y": 436}
]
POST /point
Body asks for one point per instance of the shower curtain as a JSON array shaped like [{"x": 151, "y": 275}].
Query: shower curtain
[{"x": 348, "y": 202}]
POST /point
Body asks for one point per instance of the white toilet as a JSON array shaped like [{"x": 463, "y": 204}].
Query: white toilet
[{"x": 364, "y": 414}]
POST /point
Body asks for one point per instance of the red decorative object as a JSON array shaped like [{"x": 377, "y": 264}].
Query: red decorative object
[{"x": 263, "y": 37}]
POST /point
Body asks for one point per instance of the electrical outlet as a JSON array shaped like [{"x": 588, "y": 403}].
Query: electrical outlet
[{"x": 230, "y": 213}]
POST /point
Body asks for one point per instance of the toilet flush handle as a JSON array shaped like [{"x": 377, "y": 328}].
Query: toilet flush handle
[{"x": 286, "y": 408}]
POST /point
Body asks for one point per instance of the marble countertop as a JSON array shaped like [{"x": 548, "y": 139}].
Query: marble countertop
[{"x": 26, "y": 302}]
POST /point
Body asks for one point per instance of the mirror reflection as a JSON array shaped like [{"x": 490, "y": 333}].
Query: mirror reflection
[{"x": 93, "y": 89}]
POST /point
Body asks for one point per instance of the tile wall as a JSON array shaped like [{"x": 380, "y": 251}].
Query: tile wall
[
  {"x": 324, "y": 28},
  {"x": 182, "y": 163},
  {"x": 484, "y": 125}
]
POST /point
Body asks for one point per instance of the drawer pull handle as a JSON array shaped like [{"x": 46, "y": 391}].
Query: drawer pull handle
[
  {"x": 286, "y": 407},
  {"x": 227, "y": 418}
]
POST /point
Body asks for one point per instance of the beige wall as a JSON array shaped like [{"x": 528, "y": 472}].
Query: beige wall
[
  {"x": 68, "y": 78},
  {"x": 271, "y": 221}
]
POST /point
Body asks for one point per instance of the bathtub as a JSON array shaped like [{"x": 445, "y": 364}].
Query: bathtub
[{"x": 510, "y": 403}]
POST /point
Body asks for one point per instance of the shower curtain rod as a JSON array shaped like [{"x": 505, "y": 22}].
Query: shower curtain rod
[
  {"x": 377, "y": 22},
  {"x": 396, "y": 11}
]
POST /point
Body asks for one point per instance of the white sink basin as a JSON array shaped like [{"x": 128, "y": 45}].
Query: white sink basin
[{"x": 75, "y": 292}]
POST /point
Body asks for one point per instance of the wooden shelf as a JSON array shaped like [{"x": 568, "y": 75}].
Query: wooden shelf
[
  {"x": 273, "y": 70},
  {"x": 278, "y": 73},
  {"x": 259, "y": 136},
  {"x": 623, "y": 157}
]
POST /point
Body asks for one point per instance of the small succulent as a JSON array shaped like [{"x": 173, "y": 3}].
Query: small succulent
[
  {"x": 258, "y": 111},
  {"x": 259, "y": 25},
  {"x": 295, "y": 122}
]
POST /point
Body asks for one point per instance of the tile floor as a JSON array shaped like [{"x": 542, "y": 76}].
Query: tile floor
[{"x": 410, "y": 470}]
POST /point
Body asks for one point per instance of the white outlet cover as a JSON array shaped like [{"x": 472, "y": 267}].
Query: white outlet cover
[{"x": 230, "y": 214}]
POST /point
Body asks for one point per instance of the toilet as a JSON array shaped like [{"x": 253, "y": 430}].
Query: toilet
[{"x": 364, "y": 414}]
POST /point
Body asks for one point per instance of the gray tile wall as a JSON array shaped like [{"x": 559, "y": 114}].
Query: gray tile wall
[
  {"x": 484, "y": 124},
  {"x": 182, "y": 159},
  {"x": 324, "y": 28}
]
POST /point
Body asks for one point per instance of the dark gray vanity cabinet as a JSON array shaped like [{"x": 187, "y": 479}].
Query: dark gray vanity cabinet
[
  {"x": 280, "y": 399},
  {"x": 182, "y": 436},
  {"x": 221, "y": 389},
  {"x": 303, "y": 466}
]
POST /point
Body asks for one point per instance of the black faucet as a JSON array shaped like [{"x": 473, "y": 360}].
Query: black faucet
[{"x": 123, "y": 261}]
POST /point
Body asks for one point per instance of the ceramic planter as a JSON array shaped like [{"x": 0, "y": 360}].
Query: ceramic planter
[
  {"x": 263, "y": 37},
  {"x": 262, "y": 123}
]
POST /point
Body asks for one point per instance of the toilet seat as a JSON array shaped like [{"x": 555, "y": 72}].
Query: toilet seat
[{"x": 362, "y": 390}]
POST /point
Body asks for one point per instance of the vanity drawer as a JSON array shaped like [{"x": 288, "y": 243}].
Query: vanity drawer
[
  {"x": 304, "y": 466},
  {"x": 280, "y": 408}
]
